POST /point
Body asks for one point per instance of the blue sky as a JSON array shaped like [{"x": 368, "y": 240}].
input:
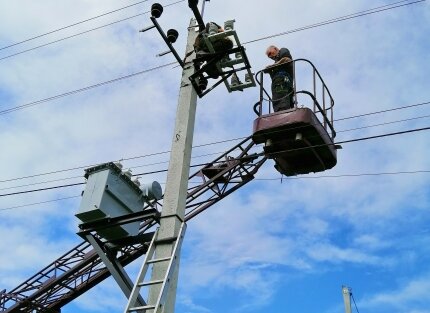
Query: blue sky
[{"x": 271, "y": 246}]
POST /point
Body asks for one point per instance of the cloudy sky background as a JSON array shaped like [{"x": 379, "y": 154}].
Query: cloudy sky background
[{"x": 272, "y": 246}]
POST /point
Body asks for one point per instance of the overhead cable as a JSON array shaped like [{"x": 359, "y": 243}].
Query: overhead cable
[
  {"x": 218, "y": 142},
  {"x": 20, "y": 107},
  {"x": 119, "y": 160},
  {"x": 383, "y": 124},
  {"x": 81, "y": 167},
  {"x": 356, "y": 139},
  {"x": 41, "y": 182},
  {"x": 334, "y": 20},
  {"x": 36, "y": 203},
  {"x": 339, "y": 19},
  {"x": 260, "y": 179},
  {"x": 30, "y": 104},
  {"x": 40, "y": 189},
  {"x": 383, "y": 111},
  {"x": 71, "y": 25},
  {"x": 79, "y": 34},
  {"x": 310, "y": 147},
  {"x": 348, "y": 175},
  {"x": 355, "y": 303}
]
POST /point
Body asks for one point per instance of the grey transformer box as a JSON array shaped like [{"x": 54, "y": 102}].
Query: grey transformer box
[{"x": 110, "y": 192}]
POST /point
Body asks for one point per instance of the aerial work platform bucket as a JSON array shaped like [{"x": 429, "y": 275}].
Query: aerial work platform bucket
[{"x": 296, "y": 139}]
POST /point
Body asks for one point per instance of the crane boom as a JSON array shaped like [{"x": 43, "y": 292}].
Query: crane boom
[{"x": 81, "y": 268}]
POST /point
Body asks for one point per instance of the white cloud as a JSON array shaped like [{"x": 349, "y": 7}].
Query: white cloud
[
  {"x": 412, "y": 296},
  {"x": 189, "y": 303},
  {"x": 256, "y": 237}
]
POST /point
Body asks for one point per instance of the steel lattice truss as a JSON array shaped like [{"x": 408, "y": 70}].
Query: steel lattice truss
[{"x": 81, "y": 268}]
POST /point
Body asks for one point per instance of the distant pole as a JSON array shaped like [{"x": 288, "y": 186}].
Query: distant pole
[
  {"x": 173, "y": 211},
  {"x": 346, "y": 292}
]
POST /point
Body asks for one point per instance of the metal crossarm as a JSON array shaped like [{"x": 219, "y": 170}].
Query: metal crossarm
[{"x": 228, "y": 63}]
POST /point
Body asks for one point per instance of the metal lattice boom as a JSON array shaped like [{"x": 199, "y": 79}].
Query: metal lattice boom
[{"x": 80, "y": 269}]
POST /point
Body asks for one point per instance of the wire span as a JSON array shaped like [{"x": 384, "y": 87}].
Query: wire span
[
  {"x": 71, "y": 25},
  {"x": 257, "y": 154},
  {"x": 258, "y": 179},
  {"x": 30, "y": 104},
  {"x": 36, "y": 203},
  {"x": 339, "y": 19},
  {"x": 214, "y": 143},
  {"x": 81, "y": 33},
  {"x": 323, "y": 23}
]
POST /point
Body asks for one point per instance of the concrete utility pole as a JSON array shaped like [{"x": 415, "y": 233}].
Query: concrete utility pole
[
  {"x": 173, "y": 211},
  {"x": 346, "y": 292}
]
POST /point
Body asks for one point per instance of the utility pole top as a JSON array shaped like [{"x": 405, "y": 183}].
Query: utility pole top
[{"x": 346, "y": 293}]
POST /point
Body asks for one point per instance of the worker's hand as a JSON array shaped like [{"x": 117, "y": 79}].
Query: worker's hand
[
  {"x": 284, "y": 60},
  {"x": 268, "y": 68}
]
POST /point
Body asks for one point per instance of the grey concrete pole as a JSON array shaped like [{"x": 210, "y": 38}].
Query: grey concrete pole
[
  {"x": 346, "y": 292},
  {"x": 173, "y": 211}
]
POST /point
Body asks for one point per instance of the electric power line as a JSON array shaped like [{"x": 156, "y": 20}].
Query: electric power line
[
  {"x": 382, "y": 111},
  {"x": 30, "y": 104},
  {"x": 212, "y": 143},
  {"x": 258, "y": 179},
  {"x": 119, "y": 160},
  {"x": 71, "y": 25},
  {"x": 41, "y": 183},
  {"x": 20, "y": 107},
  {"x": 79, "y": 34},
  {"x": 323, "y": 23},
  {"x": 354, "y": 303},
  {"x": 383, "y": 124},
  {"x": 40, "y": 189},
  {"x": 312, "y": 146},
  {"x": 348, "y": 175},
  {"x": 36, "y": 203},
  {"x": 299, "y": 127},
  {"x": 340, "y": 19},
  {"x": 357, "y": 139},
  {"x": 257, "y": 154},
  {"x": 75, "y": 177}
]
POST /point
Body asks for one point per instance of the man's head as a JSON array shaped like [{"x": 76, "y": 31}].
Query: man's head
[{"x": 272, "y": 52}]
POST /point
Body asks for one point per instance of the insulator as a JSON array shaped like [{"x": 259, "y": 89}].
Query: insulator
[
  {"x": 172, "y": 35},
  {"x": 152, "y": 191},
  {"x": 156, "y": 10},
  {"x": 229, "y": 25},
  {"x": 234, "y": 80},
  {"x": 203, "y": 83},
  {"x": 128, "y": 173},
  {"x": 248, "y": 77},
  {"x": 213, "y": 29}
]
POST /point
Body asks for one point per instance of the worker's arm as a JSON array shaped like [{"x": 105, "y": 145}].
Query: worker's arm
[{"x": 282, "y": 60}]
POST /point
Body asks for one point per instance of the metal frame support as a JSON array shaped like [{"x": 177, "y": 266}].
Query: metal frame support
[
  {"x": 221, "y": 60},
  {"x": 81, "y": 268},
  {"x": 115, "y": 268}
]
